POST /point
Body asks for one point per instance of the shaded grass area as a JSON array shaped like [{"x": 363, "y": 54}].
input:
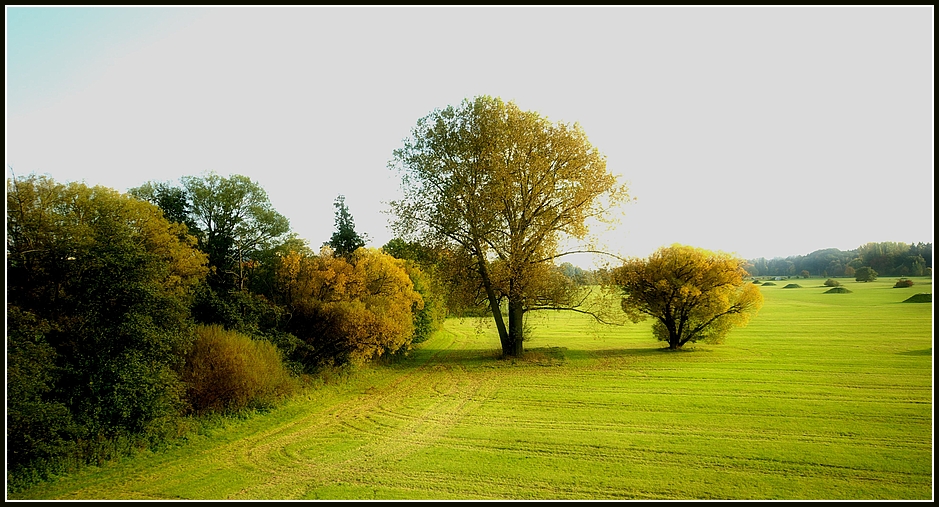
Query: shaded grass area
[{"x": 818, "y": 398}]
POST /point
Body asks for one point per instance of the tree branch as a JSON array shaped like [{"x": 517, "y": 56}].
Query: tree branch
[
  {"x": 577, "y": 252},
  {"x": 578, "y": 310}
]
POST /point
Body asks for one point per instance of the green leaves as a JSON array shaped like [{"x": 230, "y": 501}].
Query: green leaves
[
  {"x": 232, "y": 218},
  {"x": 345, "y": 241},
  {"x": 107, "y": 282}
]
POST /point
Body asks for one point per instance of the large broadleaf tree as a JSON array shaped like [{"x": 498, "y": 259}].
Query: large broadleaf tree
[{"x": 506, "y": 187}]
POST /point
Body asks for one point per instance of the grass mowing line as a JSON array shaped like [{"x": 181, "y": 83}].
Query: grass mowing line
[
  {"x": 369, "y": 448},
  {"x": 254, "y": 452},
  {"x": 822, "y": 388},
  {"x": 378, "y": 440}
]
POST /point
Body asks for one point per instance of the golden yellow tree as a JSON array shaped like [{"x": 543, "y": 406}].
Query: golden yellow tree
[
  {"x": 505, "y": 186},
  {"x": 693, "y": 294},
  {"x": 349, "y": 310}
]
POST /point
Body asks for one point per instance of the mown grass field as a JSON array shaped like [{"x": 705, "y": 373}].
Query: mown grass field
[{"x": 821, "y": 396}]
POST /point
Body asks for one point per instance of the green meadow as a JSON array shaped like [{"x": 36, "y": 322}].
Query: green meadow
[{"x": 821, "y": 396}]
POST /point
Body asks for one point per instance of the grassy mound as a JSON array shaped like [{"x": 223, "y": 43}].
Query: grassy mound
[
  {"x": 793, "y": 286},
  {"x": 837, "y": 290},
  {"x": 769, "y": 283},
  {"x": 919, "y": 298}
]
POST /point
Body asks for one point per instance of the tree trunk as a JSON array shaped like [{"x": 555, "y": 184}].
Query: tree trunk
[
  {"x": 494, "y": 305},
  {"x": 674, "y": 339},
  {"x": 515, "y": 347},
  {"x": 674, "y": 334}
]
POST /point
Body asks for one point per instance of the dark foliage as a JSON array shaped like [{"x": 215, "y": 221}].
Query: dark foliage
[{"x": 345, "y": 241}]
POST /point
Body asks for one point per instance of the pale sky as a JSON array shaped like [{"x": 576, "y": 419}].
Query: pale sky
[{"x": 761, "y": 131}]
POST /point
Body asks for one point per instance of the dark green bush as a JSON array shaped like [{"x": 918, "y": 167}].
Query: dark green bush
[
  {"x": 246, "y": 312},
  {"x": 831, "y": 282},
  {"x": 865, "y": 274},
  {"x": 903, "y": 282},
  {"x": 430, "y": 317},
  {"x": 919, "y": 298},
  {"x": 227, "y": 371},
  {"x": 98, "y": 297},
  {"x": 39, "y": 428},
  {"x": 296, "y": 353}
]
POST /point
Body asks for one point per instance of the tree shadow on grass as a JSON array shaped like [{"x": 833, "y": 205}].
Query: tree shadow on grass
[
  {"x": 556, "y": 356},
  {"x": 447, "y": 356},
  {"x": 537, "y": 356},
  {"x": 635, "y": 352},
  {"x": 923, "y": 352}
]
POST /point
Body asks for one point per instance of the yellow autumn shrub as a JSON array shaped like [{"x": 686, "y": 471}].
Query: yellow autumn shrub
[
  {"x": 349, "y": 310},
  {"x": 228, "y": 371}
]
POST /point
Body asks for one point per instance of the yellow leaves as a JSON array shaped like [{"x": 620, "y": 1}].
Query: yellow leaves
[
  {"x": 226, "y": 370},
  {"x": 86, "y": 224},
  {"x": 370, "y": 296},
  {"x": 502, "y": 183},
  {"x": 694, "y": 293},
  {"x": 186, "y": 264},
  {"x": 750, "y": 300},
  {"x": 664, "y": 285},
  {"x": 689, "y": 292}
]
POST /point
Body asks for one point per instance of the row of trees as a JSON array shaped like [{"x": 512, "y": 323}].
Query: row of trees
[
  {"x": 326, "y": 307},
  {"x": 99, "y": 287},
  {"x": 887, "y": 258},
  {"x": 127, "y": 312}
]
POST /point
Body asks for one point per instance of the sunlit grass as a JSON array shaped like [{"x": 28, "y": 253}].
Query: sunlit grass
[{"x": 821, "y": 396}]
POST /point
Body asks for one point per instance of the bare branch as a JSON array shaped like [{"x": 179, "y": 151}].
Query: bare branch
[
  {"x": 577, "y": 252},
  {"x": 576, "y": 310}
]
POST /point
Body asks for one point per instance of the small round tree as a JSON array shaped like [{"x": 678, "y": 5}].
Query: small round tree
[
  {"x": 831, "y": 282},
  {"x": 865, "y": 274},
  {"x": 693, "y": 294}
]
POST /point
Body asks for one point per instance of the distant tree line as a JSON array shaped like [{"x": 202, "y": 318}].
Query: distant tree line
[{"x": 886, "y": 258}]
